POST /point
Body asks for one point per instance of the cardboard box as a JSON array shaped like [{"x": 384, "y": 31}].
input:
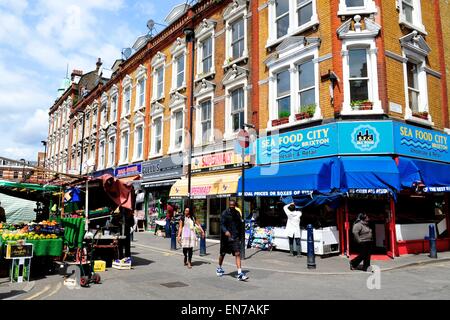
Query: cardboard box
[{"x": 99, "y": 266}]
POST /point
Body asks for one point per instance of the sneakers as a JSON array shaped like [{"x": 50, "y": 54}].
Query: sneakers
[
  {"x": 242, "y": 277},
  {"x": 220, "y": 272}
]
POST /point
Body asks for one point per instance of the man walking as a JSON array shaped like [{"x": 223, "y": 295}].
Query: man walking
[
  {"x": 363, "y": 236},
  {"x": 230, "y": 239}
]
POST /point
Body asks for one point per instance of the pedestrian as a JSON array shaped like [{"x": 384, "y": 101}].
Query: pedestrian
[
  {"x": 169, "y": 216},
  {"x": 187, "y": 235},
  {"x": 2, "y": 214},
  {"x": 363, "y": 236},
  {"x": 231, "y": 226},
  {"x": 293, "y": 228}
]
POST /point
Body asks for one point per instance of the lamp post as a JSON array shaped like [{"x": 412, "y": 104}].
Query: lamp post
[
  {"x": 44, "y": 143},
  {"x": 190, "y": 38},
  {"x": 244, "y": 142},
  {"x": 82, "y": 143}
]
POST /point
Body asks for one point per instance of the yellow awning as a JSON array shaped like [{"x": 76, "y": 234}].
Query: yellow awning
[{"x": 207, "y": 185}]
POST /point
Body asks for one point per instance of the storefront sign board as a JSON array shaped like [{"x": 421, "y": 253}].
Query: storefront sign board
[
  {"x": 218, "y": 161},
  {"x": 161, "y": 169},
  {"x": 127, "y": 171},
  {"x": 421, "y": 143}
]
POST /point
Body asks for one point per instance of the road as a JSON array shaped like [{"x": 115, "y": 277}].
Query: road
[{"x": 160, "y": 274}]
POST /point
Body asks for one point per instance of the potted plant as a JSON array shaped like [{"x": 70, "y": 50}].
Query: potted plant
[
  {"x": 283, "y": 117},
  {"x": 361, "y": 105},
  {"x": 421, "y": 114},
  {"x": 306, "y": 112}
]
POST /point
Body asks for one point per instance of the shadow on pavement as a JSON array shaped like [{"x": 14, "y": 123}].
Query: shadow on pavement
[
  {"x": 199, "y": 263},
  {"x": 11, "y": 294},
  {"x": 140, "y": 261}
]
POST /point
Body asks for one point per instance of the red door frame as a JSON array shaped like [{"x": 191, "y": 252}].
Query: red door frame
[
  {"x": 347, "y": 229},
  {"x": 341, "y": 228},
  {"x": 393, "y": 246},
  {"x": 447, "y": 212}
]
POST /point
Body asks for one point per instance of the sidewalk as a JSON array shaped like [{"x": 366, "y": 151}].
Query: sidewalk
[
  {"x": 9, "y": 290},
  {"x": 281, "y": 261}
]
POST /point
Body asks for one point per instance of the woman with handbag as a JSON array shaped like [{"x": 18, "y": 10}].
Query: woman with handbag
[{"x": 188, "y": 231}]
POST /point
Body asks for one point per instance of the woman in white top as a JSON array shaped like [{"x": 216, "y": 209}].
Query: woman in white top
[
  {"x": 293, "y": 227},
  {"x": 187, "y": 235}
]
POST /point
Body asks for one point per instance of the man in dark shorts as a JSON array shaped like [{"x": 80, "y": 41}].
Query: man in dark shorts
[{"x": 230, "y": 239}]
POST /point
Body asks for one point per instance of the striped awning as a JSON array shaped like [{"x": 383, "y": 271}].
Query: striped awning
[{"x": 207, "y": 185}]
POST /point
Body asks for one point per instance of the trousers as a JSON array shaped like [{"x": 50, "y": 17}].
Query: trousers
[
  {"x": 297, "y": 245},
  {"x": 188, "y": 254},
  {"x": 364, "y": 255}
]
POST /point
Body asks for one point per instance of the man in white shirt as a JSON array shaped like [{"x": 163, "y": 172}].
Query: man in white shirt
[{"x": 293, "y": 228}]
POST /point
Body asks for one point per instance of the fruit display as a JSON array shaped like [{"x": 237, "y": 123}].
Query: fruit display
[{"x": 32, "y": 231}]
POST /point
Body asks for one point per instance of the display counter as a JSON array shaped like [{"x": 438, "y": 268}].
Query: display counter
[{"x": 326, "y": 240}]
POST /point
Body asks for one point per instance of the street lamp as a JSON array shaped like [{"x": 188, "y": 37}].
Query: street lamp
[
  {"x": 44, "y": 143},
  {"x": 190, "y": 38},
  {"x": 244, "y": 144},
  {"x": 82, "y": 143}
]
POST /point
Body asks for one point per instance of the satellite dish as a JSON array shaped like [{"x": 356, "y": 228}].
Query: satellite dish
[
  {"x": 126, "y": 53},
  {"x": 151, "y": 24}
]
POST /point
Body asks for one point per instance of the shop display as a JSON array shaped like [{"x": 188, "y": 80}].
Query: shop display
[
  {"x": 262, "y": 238},
  {"x": 31, "y": 231}
]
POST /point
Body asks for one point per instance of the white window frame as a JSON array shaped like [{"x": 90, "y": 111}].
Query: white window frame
[
  {"x": 242, "y": 84},
  {"x": 369, "y": 7},
  {"x": 294, "y": 28},
  {"x": 104, "y": 111},
  {"x": 113, "y": 109},
  {"x": 235, "y": 11},
  {"x": 206, "y": 92},
  {"x": 124, "y": 104},
  {"x": 372, "y": 73},
  {"x": 136, "y": 156},
  {"x": 173, "y": 130},
  {"x": 112, "y": 153},
  {"x": 205, "y": 31},
  {"x": 200, "y": 123},
  {"x": 289, "y": 59},
  {"x": 158, "y": 63},
  {"x": 141, "y": 78},
  {"x": 423, "y": 105},
  {"x": 178, "y": 49},
  {"x": 417, "y": 23},
  {"x": 122, "y": 147},
  {"x": 101, "y": 156},
  {"x": 153, "y": 152}
]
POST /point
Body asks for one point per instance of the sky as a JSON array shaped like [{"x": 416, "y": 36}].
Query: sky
[{"x": 40, "y": 38}]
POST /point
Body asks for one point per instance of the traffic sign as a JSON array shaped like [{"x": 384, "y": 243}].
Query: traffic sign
[{"x": 243, "y": 138}]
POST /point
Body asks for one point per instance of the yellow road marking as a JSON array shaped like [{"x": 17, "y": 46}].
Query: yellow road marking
[{"x": 39, "y": 293}]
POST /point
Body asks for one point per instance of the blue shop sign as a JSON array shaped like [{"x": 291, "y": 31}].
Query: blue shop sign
[
  {"x": 302, "y": 144},
  {"x": 365, "y": 138},
  {"x": 421, "y": 143},
  {"x": 127, "y": 171}
]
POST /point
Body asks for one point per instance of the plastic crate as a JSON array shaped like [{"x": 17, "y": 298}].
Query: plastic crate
[
  {"x": 121, "y": 264},
  {"x": 99, "y": 266}
]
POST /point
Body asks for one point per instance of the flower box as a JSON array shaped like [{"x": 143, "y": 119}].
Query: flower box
[
  {"x": 280, "y": 121},
  {"x": 302, "y": 115},
  {"x": 421, "y": 115},
  {"x": 362, "y": 105}
]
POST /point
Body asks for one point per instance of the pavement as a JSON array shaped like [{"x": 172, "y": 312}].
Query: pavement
[
  {"x": 158, "y": 274},
  {"x": 281, "y": 261}
]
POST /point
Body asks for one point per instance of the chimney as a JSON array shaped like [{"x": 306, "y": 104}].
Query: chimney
[
  {"x": 76, "y": 73},
  {"x": 99, "y": 63}
]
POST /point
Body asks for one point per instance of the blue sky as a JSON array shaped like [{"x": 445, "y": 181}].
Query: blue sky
[{"x": 38, "y": 38}]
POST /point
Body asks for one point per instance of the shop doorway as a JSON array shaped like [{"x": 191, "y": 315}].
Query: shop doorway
[
  {"x": 380, "y": 221},
  {"x": 216, "y": 207}
]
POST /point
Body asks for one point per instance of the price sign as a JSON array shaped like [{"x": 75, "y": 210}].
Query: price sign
[{"x": 14, "y": 251}]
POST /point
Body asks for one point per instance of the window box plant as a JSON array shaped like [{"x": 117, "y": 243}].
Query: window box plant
[
  {"x": 421, "y": 115},
  {"x": 283, "y": 118},
  {"x": 361, "y": 105},
  {"x": 306, "y": 112}
]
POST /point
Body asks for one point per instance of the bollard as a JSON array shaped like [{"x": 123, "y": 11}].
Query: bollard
[
  {"x": 203, "y": 242},
  {"x": 311, "y": 262},
  {"x": 432, "y": 238},
  {"x": 173, "y": 238}
]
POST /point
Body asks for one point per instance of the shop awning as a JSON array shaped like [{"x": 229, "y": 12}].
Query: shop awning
[
  {"x": 161, "y": 183},
  {"x": 208, "y": 185},
  {"x": 290, "y": 179},
  {"x": 434, "y": 176},
  {"x": 368, "y": 175}
]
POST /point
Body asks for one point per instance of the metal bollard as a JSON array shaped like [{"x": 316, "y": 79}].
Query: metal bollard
[
  {"x": 203, "y": 242},
  {"x": 432, "y": 238},
  {"x": 311, "y": 262},
  {"x": 173, "y": 238}
]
